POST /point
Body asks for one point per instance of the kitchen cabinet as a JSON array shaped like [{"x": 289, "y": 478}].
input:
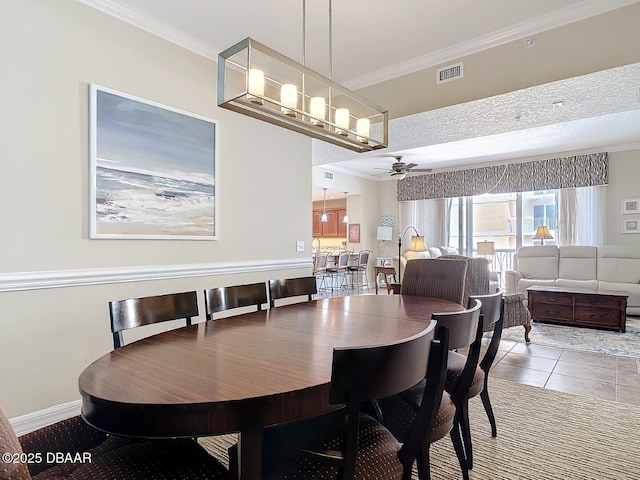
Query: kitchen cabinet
[{"x": 333, "y": 227}]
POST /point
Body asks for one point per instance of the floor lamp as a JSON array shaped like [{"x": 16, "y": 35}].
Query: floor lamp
[{"x": 416, "y": 245}]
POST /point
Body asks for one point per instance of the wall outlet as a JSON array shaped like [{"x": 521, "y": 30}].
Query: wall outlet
[{"x": 300, "y": 246}]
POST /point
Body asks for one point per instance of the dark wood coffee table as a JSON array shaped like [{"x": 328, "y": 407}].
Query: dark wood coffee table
[{"x": 580, "y": 307}]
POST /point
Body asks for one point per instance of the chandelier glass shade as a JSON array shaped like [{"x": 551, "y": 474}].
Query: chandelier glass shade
[{"x": 257, "y": 81}]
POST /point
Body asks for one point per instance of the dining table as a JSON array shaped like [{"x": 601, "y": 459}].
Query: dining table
[{"x": 242, "y": 373}]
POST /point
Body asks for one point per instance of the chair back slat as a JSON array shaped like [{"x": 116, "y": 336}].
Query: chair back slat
[
  {"x": 137, "y": 312},
  {"x": 320, "y": 262},
  {"x": 237, "y": 296},
  {"x": 292, "y": 287},
  {"x": 363, "y": 258},
  {"x": 490, "y": 310},
  {"x": 462, "y": 325},
  {"x": 435, "y": 277},
  {"x": 366, "y": 373},
  {"x": 343, "y": 260}
]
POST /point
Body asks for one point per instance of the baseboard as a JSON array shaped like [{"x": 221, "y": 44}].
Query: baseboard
[{"x": 35, "y": 420}]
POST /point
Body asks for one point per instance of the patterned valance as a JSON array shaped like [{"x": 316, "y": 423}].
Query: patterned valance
[{"x": 567, "y": 172}]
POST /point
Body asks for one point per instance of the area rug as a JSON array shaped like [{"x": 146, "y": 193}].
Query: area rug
[
  {"x": 587, "y": 339},
  {"x": 542, "y": 435}
]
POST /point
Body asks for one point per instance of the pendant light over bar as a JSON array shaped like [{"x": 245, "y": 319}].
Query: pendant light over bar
[{"x": 257, "y": 81}]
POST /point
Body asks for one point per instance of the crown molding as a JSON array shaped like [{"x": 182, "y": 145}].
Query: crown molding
[
  {"x": 574, "y": 13},
  {"x": 154, "y": 26},
  {"x": 19, "y": 281},
  {"x": 560, "y": 18}
]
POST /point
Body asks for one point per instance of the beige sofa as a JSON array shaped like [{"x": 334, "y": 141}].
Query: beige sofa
[
  {"x": 431, "y": 252},
  {"x": 610, "y": 267}
]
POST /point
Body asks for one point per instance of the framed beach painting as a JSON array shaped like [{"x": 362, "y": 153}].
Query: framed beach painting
[{"x": 153, "y": 170}]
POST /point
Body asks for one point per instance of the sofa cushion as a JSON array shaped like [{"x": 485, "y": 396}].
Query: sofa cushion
[
  {"x": 538, "y": 262},
  {"x": 525, "y": 283},
  {"x": 577, "y": 263},
  {"x": 619, "y": 264},
  {"x": 632, "y": 289},
  {"x": 568, "y": 283},
  {"x": 411, "y": 255}
]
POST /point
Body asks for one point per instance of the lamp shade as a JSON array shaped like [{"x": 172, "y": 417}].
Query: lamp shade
[
  {"x": 384, "y": 233},
  {"x": 417, "y": 244},
  {"x": 543, "y": 233},
  {"x": 486, "y": 248}
]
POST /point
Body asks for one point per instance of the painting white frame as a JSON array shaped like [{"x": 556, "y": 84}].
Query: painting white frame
[
  {"x": 153, "y": 170},
  {"x": 630, "y": 205},
  {"x": 631, "y": 225}
]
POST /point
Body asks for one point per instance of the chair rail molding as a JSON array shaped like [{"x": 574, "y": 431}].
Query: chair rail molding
[{"x": 18, "y": 281}]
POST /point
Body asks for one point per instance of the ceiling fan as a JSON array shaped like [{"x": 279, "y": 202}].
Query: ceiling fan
[{"x": 399, "y": 169}]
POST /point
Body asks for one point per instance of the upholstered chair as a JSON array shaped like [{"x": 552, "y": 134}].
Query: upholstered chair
[
  {"x": 436, "y": 277},
  {"x": 477, "y": 281},
  {"x": 98, "y": 456}
]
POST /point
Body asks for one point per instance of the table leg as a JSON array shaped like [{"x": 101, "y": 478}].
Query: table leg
[
  {"x": 376, "y": 282},
  {"x": 250, "y": 447}
]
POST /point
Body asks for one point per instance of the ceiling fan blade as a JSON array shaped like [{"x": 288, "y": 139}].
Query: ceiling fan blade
[
  {"x": 421, "y": 170},
  {"x": 409, "y": 166}
]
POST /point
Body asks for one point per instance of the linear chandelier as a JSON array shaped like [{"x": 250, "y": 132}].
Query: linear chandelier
[{"x": 257, "y": 81}]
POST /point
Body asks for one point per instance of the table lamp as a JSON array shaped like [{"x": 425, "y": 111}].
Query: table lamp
[
  {"x": 542, "y": 234},
  {"x": 486, "y": 248}
]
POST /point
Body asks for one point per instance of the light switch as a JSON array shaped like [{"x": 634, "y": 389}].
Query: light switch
[{"x": 300, "y": 246}]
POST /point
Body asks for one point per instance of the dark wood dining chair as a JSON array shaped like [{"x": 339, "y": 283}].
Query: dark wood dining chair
[
  {"x": 492, "y": 313},
  {"x": 348, "y": 444},
  {"x": 465, "y": 330},
  {"x": 137, "y": 312},
  {"x": 106, "y": 457},
  {"x": 465, "y": 379},
  {"x": 435, "y": 277},
  {"x": 292, "y": 287},
  {"x": 399, "y": 414},
  {"x": 237, "y": 296}
]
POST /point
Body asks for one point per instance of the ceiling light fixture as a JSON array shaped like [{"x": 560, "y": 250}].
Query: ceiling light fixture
[
  {"x": 259, "y": 82},
  {"x": 345, "y": 219},
  {"x": 323, "y": 217}
]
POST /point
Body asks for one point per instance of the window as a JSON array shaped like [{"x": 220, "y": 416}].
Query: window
[{"x": 495, "y": 218}]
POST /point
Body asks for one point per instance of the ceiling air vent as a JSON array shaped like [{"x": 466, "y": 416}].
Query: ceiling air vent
[
  {"x": 447, "y": 74},
  {"x": 328, "y": 175}
]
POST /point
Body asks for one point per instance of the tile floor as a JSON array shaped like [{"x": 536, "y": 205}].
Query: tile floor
[{"x": 596, "y": 375}]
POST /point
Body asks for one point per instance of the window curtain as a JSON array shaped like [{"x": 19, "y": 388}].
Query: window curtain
[
  {"x": 581, "y": 215},
  {"x": 429, "y": 217}
]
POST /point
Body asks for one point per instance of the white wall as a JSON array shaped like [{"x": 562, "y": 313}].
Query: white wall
[{"x": 49, "y": 53}]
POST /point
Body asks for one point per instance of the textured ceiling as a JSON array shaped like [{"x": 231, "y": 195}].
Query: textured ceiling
[{"x": 515, "y": 125}]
